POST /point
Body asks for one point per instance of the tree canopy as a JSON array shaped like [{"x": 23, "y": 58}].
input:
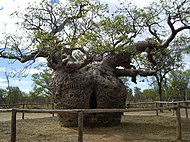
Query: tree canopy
[
  {"x": 42, "y": 83},
  {"x": 179, "y": 84},
  {"x": 73, "y": 34}
]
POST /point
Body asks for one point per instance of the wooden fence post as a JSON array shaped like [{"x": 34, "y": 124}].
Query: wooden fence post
[
  {"x": 53, "y": 107},
  {"x": 157, "y": 109},
  {"x": 13, "y": 126},
  {"x": 23, "y": 111},
  {"x": 80, "y": 126},
  {"x": 186, "y": 112},
  {"x": 178, "y": 124}
]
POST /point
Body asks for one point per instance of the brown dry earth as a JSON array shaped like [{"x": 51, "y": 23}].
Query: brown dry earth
[{"x": 135, "y": 127}]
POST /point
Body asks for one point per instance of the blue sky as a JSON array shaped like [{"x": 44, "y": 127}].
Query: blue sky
[
  {"x": 5, "y": 67},
  {"x": 15, "y": 69},
  {"x": 7, "y": 24}
]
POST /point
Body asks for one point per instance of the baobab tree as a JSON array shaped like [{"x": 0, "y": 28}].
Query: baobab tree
[{"x": 89, "y": 49}]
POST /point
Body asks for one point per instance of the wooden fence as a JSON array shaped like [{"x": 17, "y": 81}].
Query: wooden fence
[
  {"x": 156, "y": 104},
  {"x": 81, "y": 112},
  {"x": 27, "y": 105}
]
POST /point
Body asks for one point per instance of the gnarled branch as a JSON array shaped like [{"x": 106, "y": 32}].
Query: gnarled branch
[{"x": 134, "y": 73}]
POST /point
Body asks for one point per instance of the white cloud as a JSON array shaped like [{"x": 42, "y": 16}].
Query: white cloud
[
  {"x": 41, "y": 59},
  {"x": 26, "y": 90},
  {"x": 2, "y": 69},
  {"x": 7, "y": 23},
  {"x": 21, "y": 81},
  {"x": 21, "y": 72},
  {"x": 33, "y": 71},
  {"x": 142, "y": 85},
  {"x": 3, "y": 83},
  {"x": 144, "y": 3},
  {"x": 187, "y": 61},
  {"x": 23, "y": 84}
]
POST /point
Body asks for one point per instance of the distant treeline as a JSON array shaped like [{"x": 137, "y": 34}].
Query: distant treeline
[{"x": 14, "y": 95}]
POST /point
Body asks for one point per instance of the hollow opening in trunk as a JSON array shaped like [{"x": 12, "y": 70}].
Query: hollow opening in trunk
[
  {"x": 92, "y": 105},
  {"x": 93, "y": 100}
]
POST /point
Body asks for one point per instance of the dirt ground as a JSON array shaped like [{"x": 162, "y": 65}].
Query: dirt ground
[
  {"x": 135, "y": 127},
  {"x": 7, "y": 116}
]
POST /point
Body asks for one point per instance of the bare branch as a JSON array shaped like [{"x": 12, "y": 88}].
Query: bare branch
[
  {"x": 174, "y": 32},
  {"x": 68, "y": 19},
  {"x": 134, "y": 73},
  {"x": 153, "y": 32}
]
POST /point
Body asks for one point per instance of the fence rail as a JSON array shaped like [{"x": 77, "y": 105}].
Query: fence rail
[
  {"x": 159, "y": 102},
  {"x": 24, "y": 105},
  {"x": 81, "y": 113},
  {"x": 182, "y": 104}
]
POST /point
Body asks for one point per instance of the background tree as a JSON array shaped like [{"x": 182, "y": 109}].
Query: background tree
[
  {"x": 167, "y": 60},
  {"x": 179, "y": 84},
  {"x": 3, "y": 93},
  {"x": 36, "y": 98},
  {"x": 42, "y": 84},
  {"x": 150, "y": 94},
  {"x": 15, "y": 96},
  {"x": 85, "y": 46},
  {"x": 138, "y": 95},
  {"x": 129, "y": 96},
  {"x": 129, "y": 91}
]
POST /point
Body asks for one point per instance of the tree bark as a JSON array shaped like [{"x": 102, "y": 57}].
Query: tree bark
[
  {"x": 74, "y": 90},
  {"x": 95, "y": 83}
]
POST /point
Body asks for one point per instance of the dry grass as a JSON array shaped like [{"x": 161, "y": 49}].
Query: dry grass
[{"x": 134, "y": 127}]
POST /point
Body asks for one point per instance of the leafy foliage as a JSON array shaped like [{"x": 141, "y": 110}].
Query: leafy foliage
[
  {"x": 42, "y": 83},
  {"x": 13, "y": 95},
  {"x": 179, "y": 84},
  {"x": 150, "y": 94}
]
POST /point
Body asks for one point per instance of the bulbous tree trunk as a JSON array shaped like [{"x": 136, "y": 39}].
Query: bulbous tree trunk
[{"x": 93, "y": 86}]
